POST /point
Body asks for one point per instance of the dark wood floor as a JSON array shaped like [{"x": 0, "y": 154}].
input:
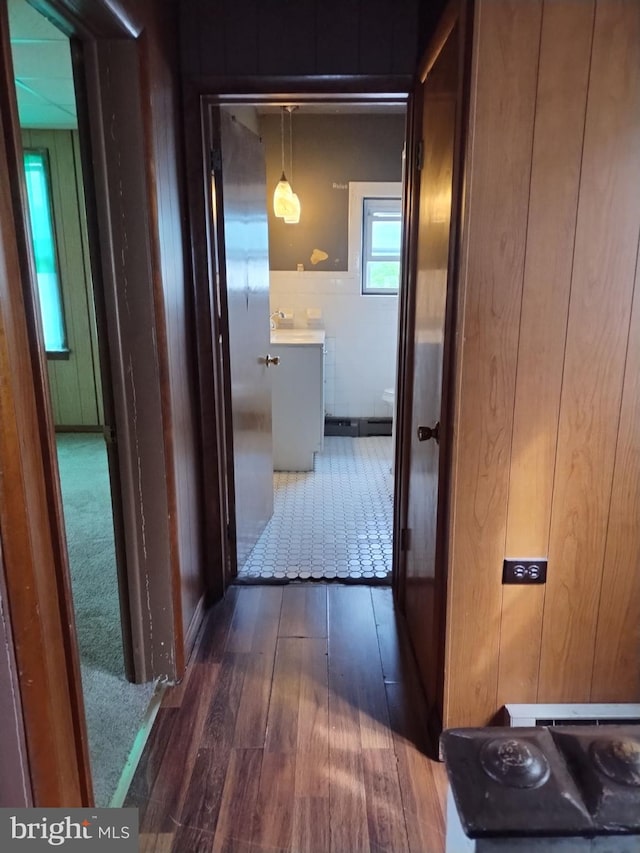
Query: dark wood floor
[{"x": 299, "y": 727}]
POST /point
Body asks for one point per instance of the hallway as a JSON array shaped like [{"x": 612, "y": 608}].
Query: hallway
[{"x": 299, "y": 727}]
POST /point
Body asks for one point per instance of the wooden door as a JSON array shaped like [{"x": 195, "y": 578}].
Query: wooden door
[
  {"x": 436, "y": 120},
  {"x": 240, "y": 214}
]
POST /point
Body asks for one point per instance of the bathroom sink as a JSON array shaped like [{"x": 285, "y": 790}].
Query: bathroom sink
[{"x": 297, "y": 336}]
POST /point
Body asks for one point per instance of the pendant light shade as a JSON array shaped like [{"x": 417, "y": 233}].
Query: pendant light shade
[
  {"x": 282, "y": 196},
  {"x": 286, "y": 204},
  {"x": 292, "y": 216}
]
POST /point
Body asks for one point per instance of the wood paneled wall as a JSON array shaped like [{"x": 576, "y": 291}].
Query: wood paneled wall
[
  {"x": 238, "y": 38},
  {"x": 74, "y": 383},
  {"x": 15, "y": 784},
  {"x": 546, "y": 458},
  {"x": 165, "y": 411},
  {"x": 184, "y": 458}
]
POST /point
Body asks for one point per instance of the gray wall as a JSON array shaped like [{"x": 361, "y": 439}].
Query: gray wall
[{"x": 328, "y": 152}]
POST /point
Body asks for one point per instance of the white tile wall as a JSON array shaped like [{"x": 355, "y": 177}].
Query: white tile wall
[{"x": 361, "y": 336}]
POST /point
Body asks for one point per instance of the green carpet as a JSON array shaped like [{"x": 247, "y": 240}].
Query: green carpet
[{"x": 114, "y": 707}]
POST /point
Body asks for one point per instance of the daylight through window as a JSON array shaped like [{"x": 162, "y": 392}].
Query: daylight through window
[
  {"x": 381, "y": 241},
  {"x": 44, "y": 248}
]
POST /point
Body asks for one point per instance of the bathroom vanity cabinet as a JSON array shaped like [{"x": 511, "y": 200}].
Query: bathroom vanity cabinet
[{"x": 297, "y": 398}]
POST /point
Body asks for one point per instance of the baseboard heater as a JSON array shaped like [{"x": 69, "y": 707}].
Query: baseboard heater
[
  {"x": 357, "y": 427},
  {"x": 573, "y": 714}
]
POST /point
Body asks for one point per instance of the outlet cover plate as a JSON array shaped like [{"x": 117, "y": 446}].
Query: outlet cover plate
[{"x": 524, "y": 571}]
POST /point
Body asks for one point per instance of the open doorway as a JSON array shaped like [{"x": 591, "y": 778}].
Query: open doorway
[
  {"x": 333, "y": 281},
  {"x": 74, "y": 341}
]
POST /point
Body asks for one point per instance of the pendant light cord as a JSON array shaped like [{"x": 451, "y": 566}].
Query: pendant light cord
[
  {"x": 291, "y": 146},
  {"x": 282, "y": 109}
]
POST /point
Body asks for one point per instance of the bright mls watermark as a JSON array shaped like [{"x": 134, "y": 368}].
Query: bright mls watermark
[{"x": 69, "y": 829}]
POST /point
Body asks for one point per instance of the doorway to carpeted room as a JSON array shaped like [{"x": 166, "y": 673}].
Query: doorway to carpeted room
[{"x": 115, "y": 709}]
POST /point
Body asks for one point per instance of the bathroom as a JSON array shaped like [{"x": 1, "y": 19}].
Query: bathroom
[{"x": 334, "y": 158}]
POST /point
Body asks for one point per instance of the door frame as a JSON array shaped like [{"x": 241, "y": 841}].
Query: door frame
[
  {"x": 457, "y": 12},
  {"x": 36, "y": 570},
  {"x": 110, "y": 59},
  {"x": 209, "y": 293}
]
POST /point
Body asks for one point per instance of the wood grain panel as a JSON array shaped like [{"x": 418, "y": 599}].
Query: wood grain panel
[
  {"x": 304, "y": 611},
  {"x": 504, "y": 79},
  {"x": 313, "y": 704},
  {"x": 403, "y": 25},
  {"x": 239, "y": 797},
  {"x": 310, "y": 829},
  {"x": 73, "y": 381},
  {"x": 392, "y": 640},
  {"x": 81, "y": 195},
  {"x": 291, "y": 23},
  {"x": 256, "y": 620},
  {"x": 173, "y": 305},
  {"x": 321, "y": 38},
  {"x": 376, "y": 48},
  {"x": 241, "y": 36},
  {"x": 273, "y": 817},
  {"x": 616, "y": 672},
  {"x": 283, "y": 721},
  {"x": 212, "y": 642},
  {"x": 385, "y": 813},
  {"x": 126, "y": 215},
  {"x": 326, "y": 793},
  {"x": 253, "y": 710},
  {"x": 34, "y": 553},
  {"x": 423, "y": 599},
  {"x": 151, "y": 762},
  {"x": 424, "y": 784},
  {"x": 197, "y": 822},
  {"x": 221, "y": 715},
  {"x": 194, "y": 803},
  {"x": 565, "y": 53},
  {"x": 602, "y": 286},
  {"x": 337, "y": 43},
  {"x": 210, "y": 31},
  {"x": 355, "y": 670},
  {"x": 311, "y": 825},
  {"x": 15, "y": 785},
  {"x": 347, "y": 799},
  {"x": 189, "y": 38},
  {"x": 165, "y": 798},
  {"x": 162, "y": 842},
  {"x": 350, "y": 645},
  {"x": 254, "y": 630}
]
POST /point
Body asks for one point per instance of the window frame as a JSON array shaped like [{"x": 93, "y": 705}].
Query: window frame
[
  {"x": 370, "y": 206},
  {"x": 358, "y": 191}
]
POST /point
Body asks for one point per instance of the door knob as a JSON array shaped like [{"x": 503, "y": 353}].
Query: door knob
[
  {"x": 425, "y": 433},
  {"x": 270, "y": 359}
]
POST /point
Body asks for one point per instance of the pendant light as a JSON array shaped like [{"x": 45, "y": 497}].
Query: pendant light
[
  {"x": 283, "y": 193},
  {"x": 292, "y": 216}
]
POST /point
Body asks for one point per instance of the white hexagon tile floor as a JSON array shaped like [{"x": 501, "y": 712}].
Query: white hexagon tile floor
[{"x": 333, "y": 523}]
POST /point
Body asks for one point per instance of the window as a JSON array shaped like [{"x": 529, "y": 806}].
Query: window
[
  {"x": 381, "y": 240},
  {"x": 36, "y": 169}
]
